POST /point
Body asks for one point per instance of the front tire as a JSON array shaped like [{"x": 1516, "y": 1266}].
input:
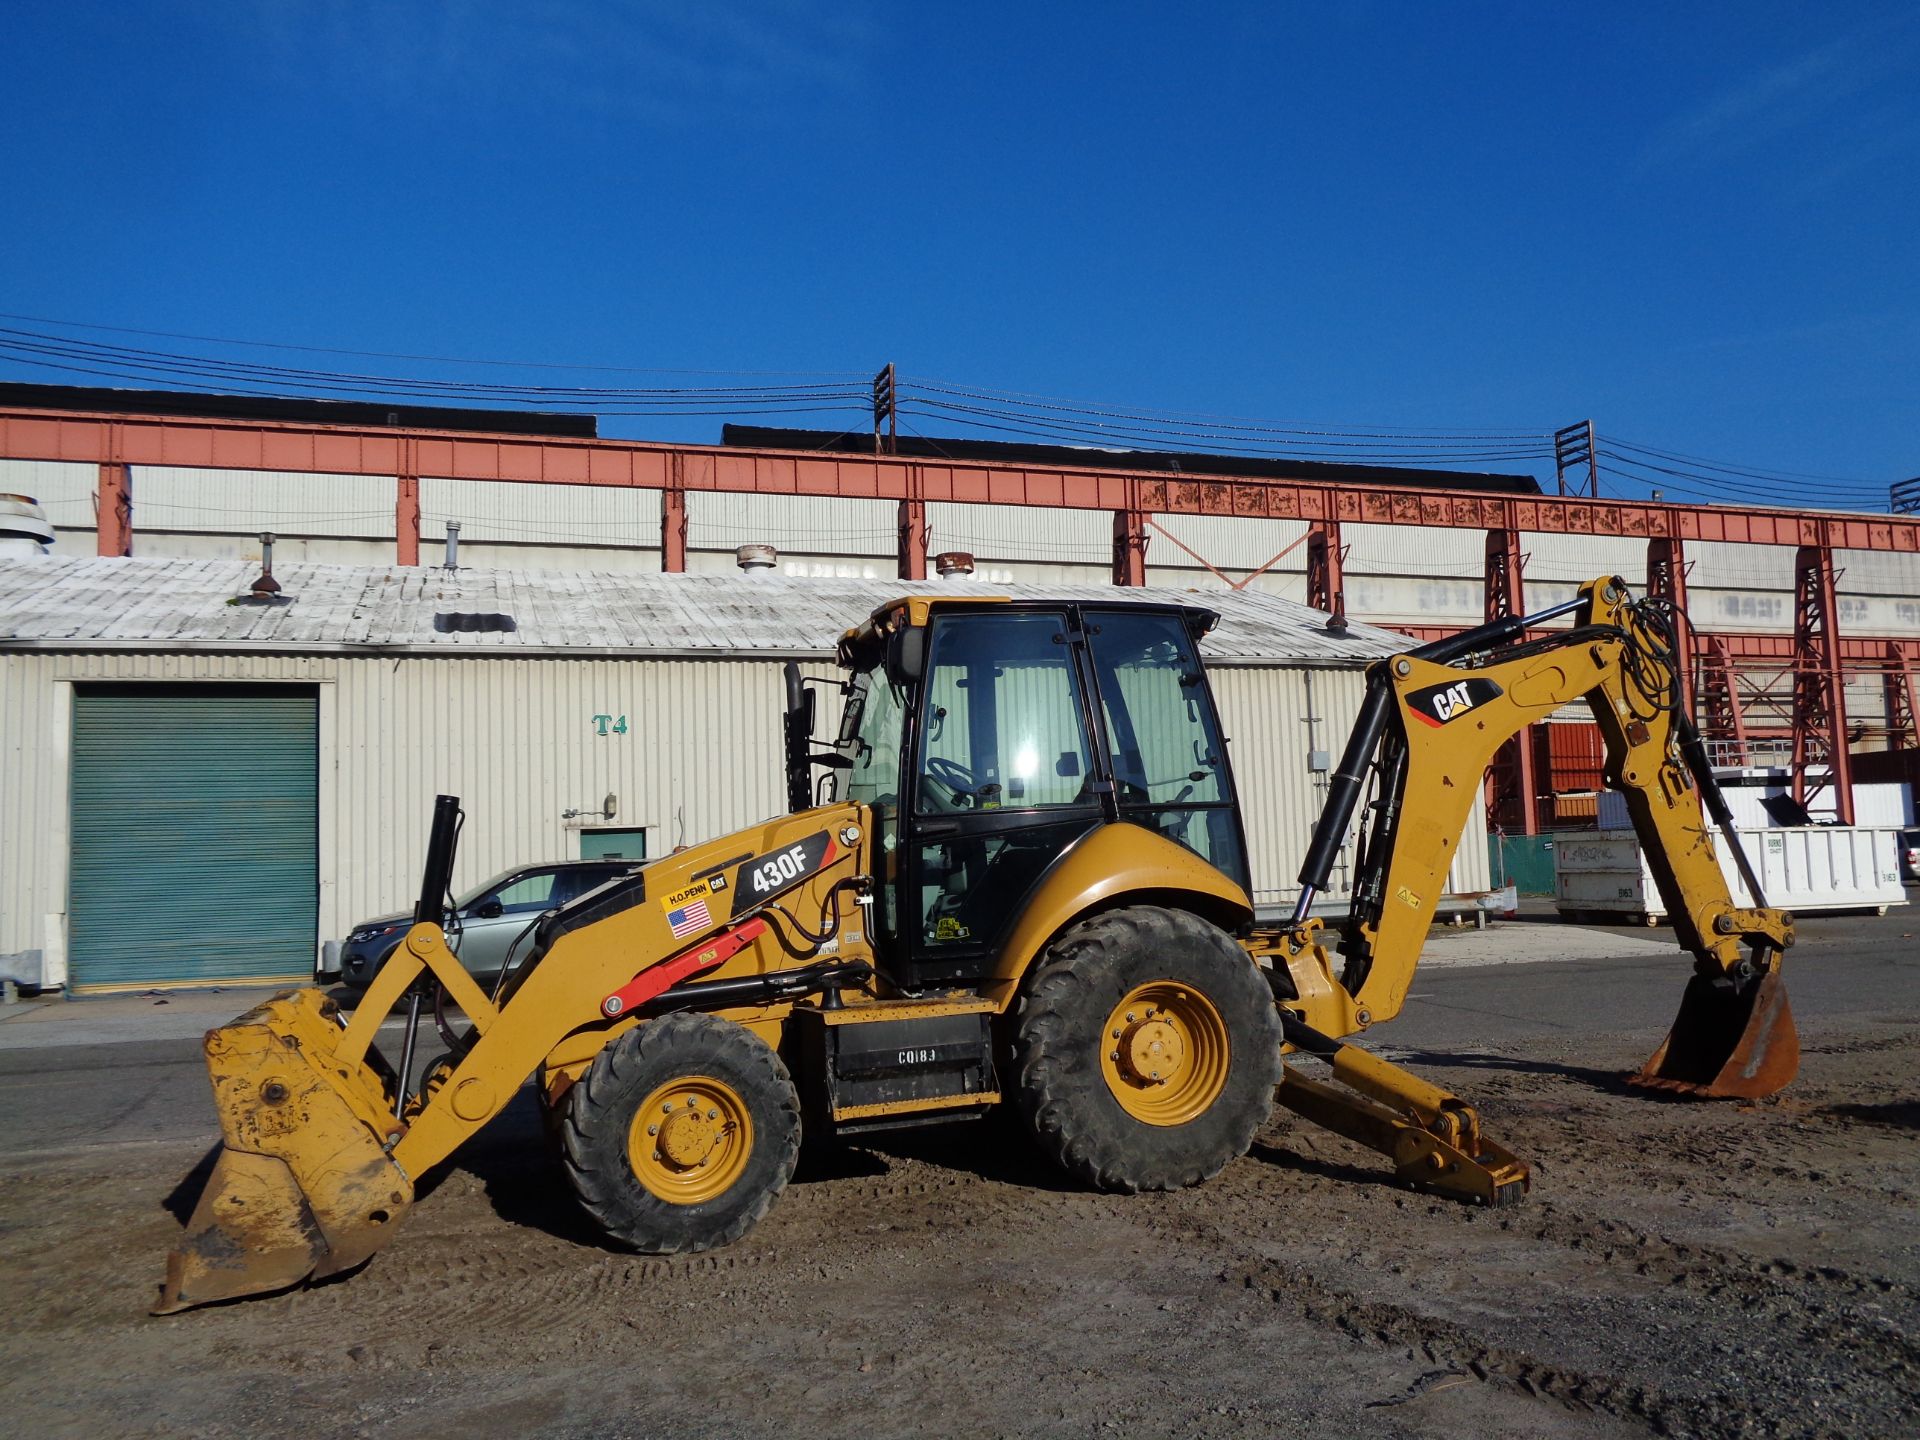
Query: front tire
[
  {"x": 681, "y": 1135},
  {"x": 1147, "y": 1050}
]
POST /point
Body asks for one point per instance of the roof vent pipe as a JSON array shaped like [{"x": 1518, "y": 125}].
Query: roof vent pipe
[
  {"x": 952, "y": 564},
  {"x": 756, "y": 558},
  {"x": 24, "y": 531},
  {"x": 453, "y": 545},
  {"x": 265, "y": 590},
  {"x": 266, "y": 587}
]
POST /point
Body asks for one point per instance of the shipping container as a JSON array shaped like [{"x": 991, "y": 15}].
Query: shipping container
[{"x": 1807, "y": 869}]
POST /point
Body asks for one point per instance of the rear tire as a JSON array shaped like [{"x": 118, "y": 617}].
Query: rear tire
[
  {"x": 1147, "y": 1108},
  {"x": 681, "y": 1134}
]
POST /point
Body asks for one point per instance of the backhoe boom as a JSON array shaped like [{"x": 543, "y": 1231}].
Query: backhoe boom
[{"x": 1432, "y": 721}]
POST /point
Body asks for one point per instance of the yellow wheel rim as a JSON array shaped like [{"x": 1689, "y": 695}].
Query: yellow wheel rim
[
  {"x": 1164, "y": 1053},
  {"x": 690, "y": 1140}
]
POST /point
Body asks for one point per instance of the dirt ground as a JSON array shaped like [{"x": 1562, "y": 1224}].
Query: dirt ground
[{"x": 1680, "y": 1269}]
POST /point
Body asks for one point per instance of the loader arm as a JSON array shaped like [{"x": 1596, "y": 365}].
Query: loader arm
[
  {"x": 324, "y": 1142},
  {"x": 1431, "y": 723}
]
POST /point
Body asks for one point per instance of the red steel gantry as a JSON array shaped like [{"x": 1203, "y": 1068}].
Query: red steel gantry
[{"x": 1817, "y": 654}]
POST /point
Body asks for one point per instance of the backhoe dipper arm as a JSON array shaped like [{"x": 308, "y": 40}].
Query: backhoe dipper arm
[{"x": 1439, "y": 726}]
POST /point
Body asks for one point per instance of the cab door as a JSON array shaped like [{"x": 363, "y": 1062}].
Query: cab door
[
  {"x": 1162, "y": 737},
  {"x": 1001, "y": 779}
]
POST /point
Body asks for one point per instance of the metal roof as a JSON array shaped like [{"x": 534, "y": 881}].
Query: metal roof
[{"x": 93, "y": 603}]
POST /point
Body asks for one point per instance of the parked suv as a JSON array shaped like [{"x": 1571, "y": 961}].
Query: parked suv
[
  {"x": 490, "y": 917},
  {"x": 1910, "y": 853}
]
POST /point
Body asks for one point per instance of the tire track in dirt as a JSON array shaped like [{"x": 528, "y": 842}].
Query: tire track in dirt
[
  {"x": 1453, "y": 1347},
  {"x": 1783, "y": 1314},
  {"x": 1685, "y": 1263}
]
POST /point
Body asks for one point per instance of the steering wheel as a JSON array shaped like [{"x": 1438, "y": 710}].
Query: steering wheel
[{"x": 957, "y": 780}]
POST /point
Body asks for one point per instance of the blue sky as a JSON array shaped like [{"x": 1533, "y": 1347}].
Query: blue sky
[{"x": 1696, "y": 224}]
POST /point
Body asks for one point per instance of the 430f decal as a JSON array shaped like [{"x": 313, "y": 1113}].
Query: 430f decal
[{"x": 765, "y": 876}]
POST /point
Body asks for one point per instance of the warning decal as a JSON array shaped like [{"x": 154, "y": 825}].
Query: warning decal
[{"x": 688, "y": 911}]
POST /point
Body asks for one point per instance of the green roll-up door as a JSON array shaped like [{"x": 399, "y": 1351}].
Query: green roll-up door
[{"x": 195, "y": 834}]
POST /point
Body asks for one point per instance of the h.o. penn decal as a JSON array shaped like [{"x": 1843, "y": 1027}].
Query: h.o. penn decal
[{"x": 1437, "y": 704}]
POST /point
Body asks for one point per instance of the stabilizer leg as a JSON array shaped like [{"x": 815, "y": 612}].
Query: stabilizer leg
[{"x": 1432, "y": 1137}]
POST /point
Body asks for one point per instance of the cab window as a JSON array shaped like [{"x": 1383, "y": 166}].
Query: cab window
[
  {"x": 1162, "y": 735},
  {"x": 1003, "y": 722}
]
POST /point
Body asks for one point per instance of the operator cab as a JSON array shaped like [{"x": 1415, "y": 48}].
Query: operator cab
[{"x": 988, "y": 736}]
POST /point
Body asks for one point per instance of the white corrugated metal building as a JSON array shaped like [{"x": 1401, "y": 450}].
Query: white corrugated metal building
[{"x": 303, "y": 743}]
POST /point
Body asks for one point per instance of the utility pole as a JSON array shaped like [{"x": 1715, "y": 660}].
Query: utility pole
[
  {"x": 1573, "y": 447},
  {"x": 885, "y": 409}
]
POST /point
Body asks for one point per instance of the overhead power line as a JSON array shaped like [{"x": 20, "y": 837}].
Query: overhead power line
[
  {"x": 1768, "y": 492},
  {"x": 1728, "y": 469},
  {"x": 429, "y": 359},
  {"x": 966, "y": 408},
  {"x": 160, "y": 362}
]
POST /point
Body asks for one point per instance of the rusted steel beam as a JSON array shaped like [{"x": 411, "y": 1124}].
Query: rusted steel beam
[
  {"x": 101, "y": 437},
  {"x": 911, "y": 542},
  {"x": 1856, "y": 652},
  {"x": 1667, "y": 578},
  {"x": 1512, "y": 778},
  {"x": 1130, "y": 539},
  {"x": 673, "y": 517},
  {"x": 406, "y": 520},
  {"x": 1859, "y": 654},
  {"x": 1326, "y": 569},
  {"x": 1819, "y": 692},
  {"x": 1721, "y": 716},
  {"x": 113, "y": 511},
  {"x": 1903, "y": 698}
]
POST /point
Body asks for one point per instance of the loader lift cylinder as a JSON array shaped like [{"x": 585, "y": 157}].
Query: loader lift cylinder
[{"x": 437, "y": 877}]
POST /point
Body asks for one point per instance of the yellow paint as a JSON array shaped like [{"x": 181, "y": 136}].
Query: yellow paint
[
  {"x": 909, "y": 1107},
  {"x": 1110, "y": 866},
  {"x": 1164, "y": 1053},
  {"x": 690, "y": 1140},
  {"x": 867, "y": 1011}
]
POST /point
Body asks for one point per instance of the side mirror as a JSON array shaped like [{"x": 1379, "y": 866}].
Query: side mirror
[
  {"x": 489, "y": 910},
  {"x": 907, "y": 656}
]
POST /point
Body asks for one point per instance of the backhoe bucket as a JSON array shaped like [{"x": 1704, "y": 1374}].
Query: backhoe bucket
[
  {"x": 303, "y": 1187},
  {"x": 1727, "y": 1042}
]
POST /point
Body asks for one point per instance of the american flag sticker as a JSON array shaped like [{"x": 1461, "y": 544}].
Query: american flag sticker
[
  {"x": 689, "y": 919},
  {"x": 687, "y": 912}
]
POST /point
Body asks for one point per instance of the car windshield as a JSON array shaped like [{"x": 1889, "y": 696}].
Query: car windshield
[{"x": 473, "y": 896}]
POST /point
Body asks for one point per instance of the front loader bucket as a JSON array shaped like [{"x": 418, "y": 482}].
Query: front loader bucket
[
  {"x": 1727, "y": 1042},
  {"x": 303, "y": 1186}
]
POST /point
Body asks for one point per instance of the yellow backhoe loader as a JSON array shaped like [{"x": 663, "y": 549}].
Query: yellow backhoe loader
[{"x": 1028, "y": 883}]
